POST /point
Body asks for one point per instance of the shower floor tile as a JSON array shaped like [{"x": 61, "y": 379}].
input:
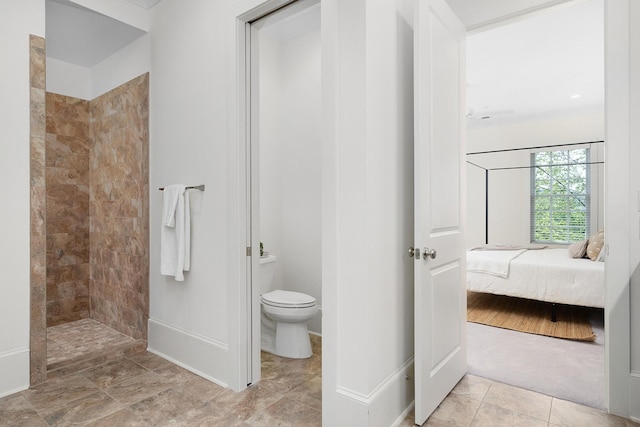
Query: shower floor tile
[{"x": 81, "y": 338}]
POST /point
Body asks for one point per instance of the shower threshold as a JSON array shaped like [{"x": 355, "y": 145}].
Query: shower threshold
[{"x": 84, "y": 343}]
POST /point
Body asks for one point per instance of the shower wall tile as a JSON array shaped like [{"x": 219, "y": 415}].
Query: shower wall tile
[
  {"x": 38, "y": 326},
  {"x": 89, "y": 209},
  {"x": 118, "y": 206},
  {"x": 67, "y": 208}
]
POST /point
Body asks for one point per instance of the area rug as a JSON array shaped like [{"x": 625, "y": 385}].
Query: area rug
[{"x": 529, "y": 316}]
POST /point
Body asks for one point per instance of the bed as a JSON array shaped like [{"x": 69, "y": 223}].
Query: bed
[{"x": 549, "y": 275}]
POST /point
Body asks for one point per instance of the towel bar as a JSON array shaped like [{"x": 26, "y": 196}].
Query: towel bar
[{"x": 193, "y": 187}]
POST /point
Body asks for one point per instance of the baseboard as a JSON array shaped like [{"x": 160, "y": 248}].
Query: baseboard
[
  {"x": 403, "y": 415},
  {"x": 634, "y": 390},
  {"x": 14, "y": 371},
  {"x": 202, "y": 356},
  {"x": 385, "y": 404}
]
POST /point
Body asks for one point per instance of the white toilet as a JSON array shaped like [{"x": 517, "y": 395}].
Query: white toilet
[{"x": 284, "y": 316}]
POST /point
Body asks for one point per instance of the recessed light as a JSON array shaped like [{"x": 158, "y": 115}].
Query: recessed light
[{"x": 576, "y": 96}]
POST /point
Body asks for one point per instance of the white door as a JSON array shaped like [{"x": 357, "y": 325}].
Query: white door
[{"x": 440, "y": 289}]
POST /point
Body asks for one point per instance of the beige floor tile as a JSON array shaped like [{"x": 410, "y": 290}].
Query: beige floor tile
[
  {"x": 123, "y": 417},
  {"x": 287, "y": 411},
  {"x": 243, "y": 405},
  {"x": 114, "y": 372},
  {"x": 167, "y": 405},
  {"x": 454, "y": 410},
  {"x": 208, "y": 414},
  {"x": 519, "y": 400},
  {"x": 83, "y": 410},
  {"x": 74, "y": 339},
  {"x": 569, "y": 414},
  {"x": 16, "y": 411},
  {"x": 143, "y": 389},
  {"x": 494, "y": 416},
  {"x": 473, "y": 387},
  {"x": 191, "y": 383},
  {"x": 54, "y": 394},
  {"x": 138, "y": 388},
  {"x": 149, "y": 360},
  {"x": 309, "y": 393}
]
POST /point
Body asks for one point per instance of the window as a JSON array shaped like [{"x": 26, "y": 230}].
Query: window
[{"x": 560, "y": 195}]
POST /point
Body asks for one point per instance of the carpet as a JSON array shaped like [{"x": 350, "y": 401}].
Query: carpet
[
  {"x": 529, "y": 316},
  {"x": 565, "y": 369}
]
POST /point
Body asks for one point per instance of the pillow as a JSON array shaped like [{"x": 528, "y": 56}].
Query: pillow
[
  {"x": 578, "y": 249},
  {"x": 596, "y": 242}
]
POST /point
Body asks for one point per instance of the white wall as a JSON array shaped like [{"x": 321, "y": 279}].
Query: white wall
[
  {"x": 634, "y": 220},
  {"x": 126, "y": 64},
  {"x": 622, "y": 355},
  {"x": 88, "y": 83},
  {"x": 18, "y": 19},
  {"x": 367, "y": 204},
  {"x": 122, "y": 10},
  {"x": 290, "y": 166},
  {"x": 273, "y": 158},
  {"x": 509, "y": 190},
  {"x": 191, "y": 132},
  {"x": 68, "y": 79}
]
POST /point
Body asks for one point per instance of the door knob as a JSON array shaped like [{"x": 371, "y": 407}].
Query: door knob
[
  {"x": 414, "y": 252},
  {"x": 429, "y": 253}
]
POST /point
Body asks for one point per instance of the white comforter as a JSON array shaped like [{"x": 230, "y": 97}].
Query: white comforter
[{"x": 545, "y": 275}]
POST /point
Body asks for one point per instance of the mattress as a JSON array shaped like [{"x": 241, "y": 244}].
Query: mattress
[{"x": 545, "y": 275}]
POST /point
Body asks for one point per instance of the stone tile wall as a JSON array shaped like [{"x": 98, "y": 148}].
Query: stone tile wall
[
  {"x": 119, "y": 208},
  {"x": 67, "y": 178},
  {"x": 89, "y": 209},
  {"x": 38, "y": 324}
]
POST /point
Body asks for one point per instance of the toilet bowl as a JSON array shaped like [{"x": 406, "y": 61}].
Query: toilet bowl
[{"x": 284, "y": 317}]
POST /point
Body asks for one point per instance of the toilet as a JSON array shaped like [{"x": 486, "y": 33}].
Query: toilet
[{"x": 284, "y": 316}]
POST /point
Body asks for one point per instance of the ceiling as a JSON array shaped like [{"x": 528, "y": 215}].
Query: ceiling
[
  {"x": 83, "y": 37},
  {"x": 549, "y": 63}
]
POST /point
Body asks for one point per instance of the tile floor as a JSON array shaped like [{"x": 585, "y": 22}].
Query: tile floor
[
  {"x": 85, "y": 343},
  {"x": 75, "y": 339},
  {"x": 477, "y": 401},
  {"x": 143, "y": 389}
]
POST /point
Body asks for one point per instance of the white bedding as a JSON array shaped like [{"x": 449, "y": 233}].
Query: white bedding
[
  {"x": 495, "y": 263},
  {"x": 545, "y": 275}
]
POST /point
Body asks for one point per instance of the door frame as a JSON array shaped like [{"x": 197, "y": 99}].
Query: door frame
[
  {"x": 247, "y": 359},
  {"x": 243, "y": 358},
  {"x": 617, "y": 324}
]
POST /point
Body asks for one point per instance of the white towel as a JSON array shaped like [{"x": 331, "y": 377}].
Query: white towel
[{"x": 175, "y": 233}]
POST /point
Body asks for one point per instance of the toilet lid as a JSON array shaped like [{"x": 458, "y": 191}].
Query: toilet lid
[{"x": 280, "y": 298}]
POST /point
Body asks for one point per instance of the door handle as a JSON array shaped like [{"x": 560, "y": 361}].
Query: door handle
[{"x": 429, "y": 253}]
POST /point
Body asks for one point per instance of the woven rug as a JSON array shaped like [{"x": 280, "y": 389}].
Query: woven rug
[{"x": 529, "y": 316}]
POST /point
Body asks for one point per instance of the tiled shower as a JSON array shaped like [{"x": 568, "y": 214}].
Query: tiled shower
[{"x": 95, "y": 217}]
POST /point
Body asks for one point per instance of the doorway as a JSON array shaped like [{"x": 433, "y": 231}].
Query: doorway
[
  {"x": 511, "y": 120},
  {"x": 284, "y": 94}
]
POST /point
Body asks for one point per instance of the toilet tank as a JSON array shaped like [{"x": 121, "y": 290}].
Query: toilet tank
[{"x": 267, "y": 269}]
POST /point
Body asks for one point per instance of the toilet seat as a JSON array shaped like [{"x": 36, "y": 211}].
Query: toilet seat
[{"x": 288, "y": 299}]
